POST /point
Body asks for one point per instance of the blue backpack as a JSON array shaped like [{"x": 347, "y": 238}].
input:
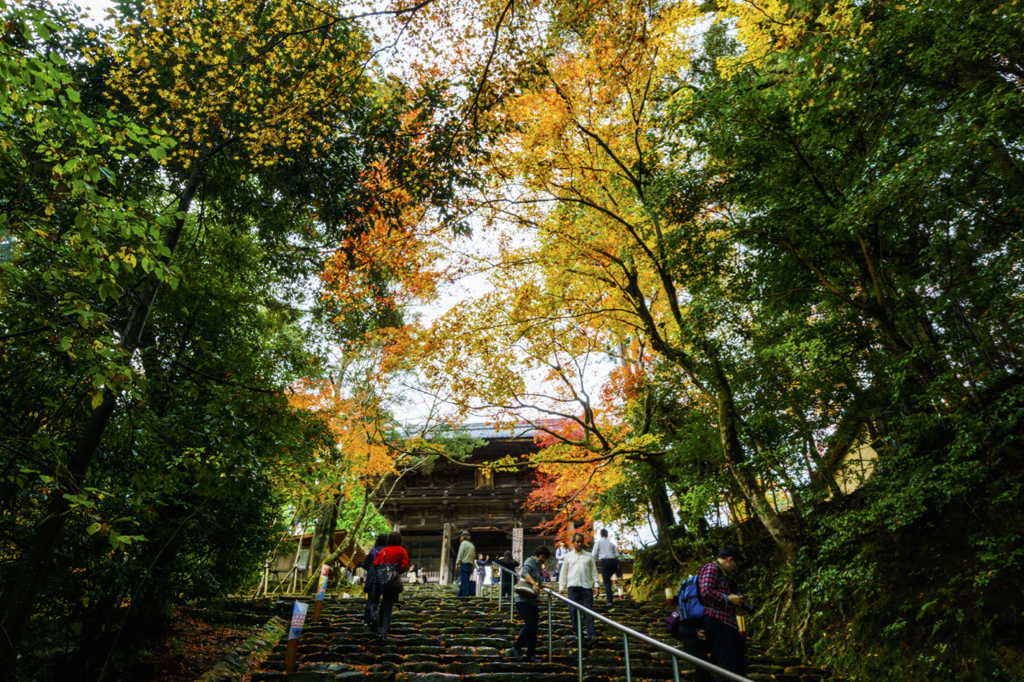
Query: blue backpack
[
  {"x": 688, "y": 607},
  {"x": 689, "y": 604}
]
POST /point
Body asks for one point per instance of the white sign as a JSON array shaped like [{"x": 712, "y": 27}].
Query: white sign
[{"x": 517, "y": 545}]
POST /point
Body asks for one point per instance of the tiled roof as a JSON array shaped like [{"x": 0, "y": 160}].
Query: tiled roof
[{"x": 490, "y": 432}]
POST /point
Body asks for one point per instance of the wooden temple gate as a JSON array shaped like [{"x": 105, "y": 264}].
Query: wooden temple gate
[{"x": 431, "y": 509}]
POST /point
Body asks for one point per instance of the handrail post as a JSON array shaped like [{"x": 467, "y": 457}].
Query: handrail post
[
  {"x": 625, "y": 651},
  {"x": 675, "y": 669},
  {"x": 579, "y": 644},
  {"x": 550, "y": 653}
]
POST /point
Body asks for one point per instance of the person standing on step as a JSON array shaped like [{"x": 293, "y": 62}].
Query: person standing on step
[
  {"x": 579, "y": 578},
  {"x": 506, "y": 578},
  {"x": 481, "y": 572},
  {"x": 392, "y": 554},
  {"x": 607, "y": 553},
  {"x": 528, "y": 607},
  {"x": 371, "y": 587},
  {"x": 464, "y": 560},
  {"x": 560, "y": 552},
  {"x": 695, "y": 642},
  {"x": 720, "y": 604}
]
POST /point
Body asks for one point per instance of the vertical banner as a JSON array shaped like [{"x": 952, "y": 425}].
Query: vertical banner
[
  {"x": 298, "y": 620},
  {"x": 325, "y": 576},
  {"x": 517, "y": 545},
  {"x": 294, "y": 632}
]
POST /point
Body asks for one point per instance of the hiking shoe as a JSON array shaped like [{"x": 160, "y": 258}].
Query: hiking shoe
[
  {"x": 513, "y": 653},
  {"x": 534, "y": 659}
]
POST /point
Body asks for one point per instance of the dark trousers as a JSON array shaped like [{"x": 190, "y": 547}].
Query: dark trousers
[
  {"x": 387, "y": 605},
  {"x": 372, "y": 589},
  {"x": 506, "y": 588},
  {"x": 372, "y": 611},
  {"x": 608, "y": 567},
  {"x": 584, "y": 597},
  {"x": 526, "y": 642},
  {"x": 465, "y": 572},
  {"x": 698, "y": 648},
  {"x": 727, "y": 646}
]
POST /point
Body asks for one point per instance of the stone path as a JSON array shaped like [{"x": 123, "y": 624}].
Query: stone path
[{"x": 435, "y": 637}]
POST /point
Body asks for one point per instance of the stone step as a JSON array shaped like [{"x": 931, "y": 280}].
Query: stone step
[{"x": 436, "y": 637}]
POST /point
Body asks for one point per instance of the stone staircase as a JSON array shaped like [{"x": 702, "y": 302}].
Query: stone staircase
[{"x": 435, "y": 637}]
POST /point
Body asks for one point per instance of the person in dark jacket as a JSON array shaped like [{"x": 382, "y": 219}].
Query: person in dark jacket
[
  {"x": 506, "y": 561},
  {"x": 529, "y": 610},
  {"x": 371, "y": 587}
]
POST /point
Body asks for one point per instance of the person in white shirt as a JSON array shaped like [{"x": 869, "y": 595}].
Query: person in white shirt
[
  {"x": 579, "y": 577},
  {"x": 607, "y": 553},
  {"x": 560, "y": 552}
]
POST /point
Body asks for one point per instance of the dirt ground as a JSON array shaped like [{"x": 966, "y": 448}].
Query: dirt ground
[{"x": 188, "y": 649}]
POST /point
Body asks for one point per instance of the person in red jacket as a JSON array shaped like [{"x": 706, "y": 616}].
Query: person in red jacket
[{"x": 392, "y": 554}]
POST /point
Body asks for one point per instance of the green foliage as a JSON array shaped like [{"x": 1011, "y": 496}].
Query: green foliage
[
  {"x": 870, "y": 286},
  {"x": 181, "y": 501}
]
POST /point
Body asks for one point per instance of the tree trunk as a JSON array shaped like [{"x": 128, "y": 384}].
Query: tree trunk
[
  {"x": 333, "y": 523},
  {"x": 324, "y": 532},
  {"x": 664, "y": 517},
  {"x": 728, "y": 427},
  {"x": 311, "y": 584},
  {"x": 38, "y": 556}
]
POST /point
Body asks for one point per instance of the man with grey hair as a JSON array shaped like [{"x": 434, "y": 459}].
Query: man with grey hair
[{"x": 579, "y": 578}]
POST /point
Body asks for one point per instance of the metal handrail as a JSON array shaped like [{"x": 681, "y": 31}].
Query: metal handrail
[{"x": 626, "y": 634}]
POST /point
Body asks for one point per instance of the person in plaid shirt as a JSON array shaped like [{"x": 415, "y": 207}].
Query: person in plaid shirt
[{"x": 720, "y": 604}]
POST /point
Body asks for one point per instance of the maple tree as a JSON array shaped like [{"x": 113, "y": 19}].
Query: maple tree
[
  {"x": 584, "y": 150},
  {"x": 568, "y": 487},
  {"x": 358, "y": 458}
]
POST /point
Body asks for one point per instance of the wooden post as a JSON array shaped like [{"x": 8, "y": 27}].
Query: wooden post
[{"x": 446, "y": 541}]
